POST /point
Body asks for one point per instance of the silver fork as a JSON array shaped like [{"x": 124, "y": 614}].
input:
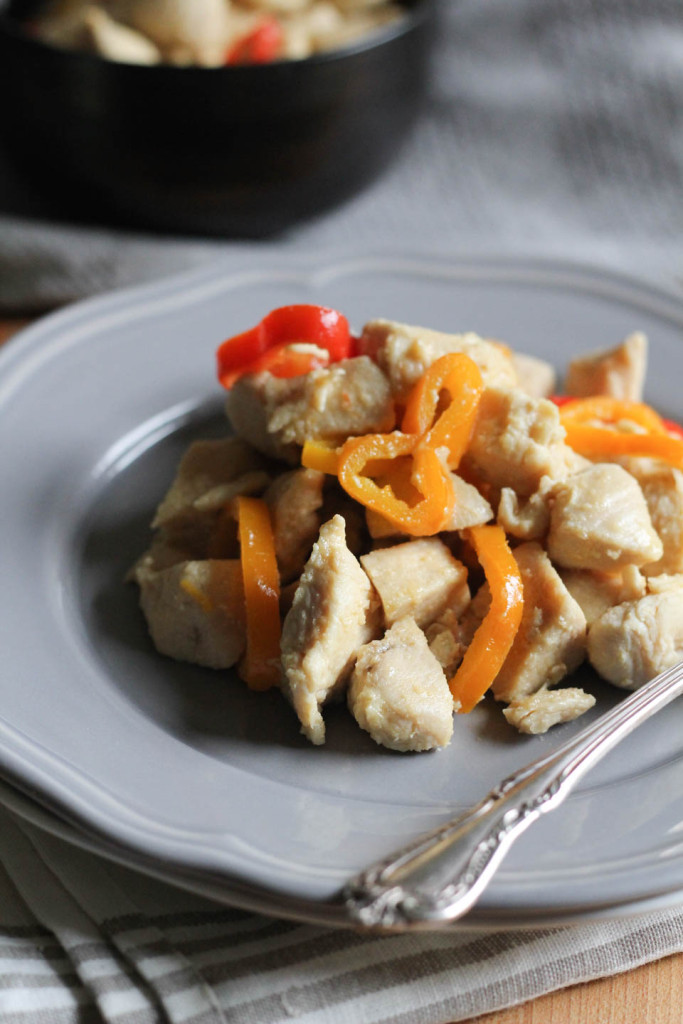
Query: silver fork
[{"x": 436, "y": 879}]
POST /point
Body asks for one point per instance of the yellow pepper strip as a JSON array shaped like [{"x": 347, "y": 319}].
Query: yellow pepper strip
[
  {"x": 320, "y": 455},
  {"x": 496, "y": 633},
  {"x": 451, "y": 428},
  {"x": 611, "y": 410},
  {"x": 602, "y": 441},
  {"x": 362, "y": 456},
  {"x": 260, "y": 666}
]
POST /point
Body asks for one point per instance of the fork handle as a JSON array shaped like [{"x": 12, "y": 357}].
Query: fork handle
[{"x": 436, "y": 879}]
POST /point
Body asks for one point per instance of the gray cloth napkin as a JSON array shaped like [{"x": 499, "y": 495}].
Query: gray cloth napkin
[
  {"x": 552, "y": 128},
  {"x": 83, "y": 940}
]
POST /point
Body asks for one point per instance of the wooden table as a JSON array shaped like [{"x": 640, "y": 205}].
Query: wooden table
[{"x": 652, "y": 994}]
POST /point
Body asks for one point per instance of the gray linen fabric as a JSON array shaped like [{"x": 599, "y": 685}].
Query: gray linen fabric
[
  {"x": 83, "y": 939},
  {"x": 552, "y": 128},
  {"x": 555, "y": 127}
]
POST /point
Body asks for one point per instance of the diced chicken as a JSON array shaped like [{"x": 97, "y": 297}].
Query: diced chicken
[
  {"x": 599, "y": 520},
  {"x": 204, "y": 475},
  {"x": 405, "y": 352},
  {"x": 295, "y": 499},
  {"x": 539, "y": 711},
  {"x": 526, "y": 518},
  {"x": 346, "y": 399},
  {"x": 633, "y": 642},
  {"x": 343, "y": 400},
  {"x": 399, "y": 693},
  {"x": 193, "y": 515},
  {"x": 517, "y": 440},
  {"x": 471, "y": 509},
  {"x": 536, "y": 377},
  {"x": 663, "y": 491},
  {"x": 195, "y": 32},
  {"x": 618, "y": 372},
  {"x": 109, "y": 38},
  {"x": 418, "y": 579},
  {"x": 195, "y": 611},
  {"x": 551, "y": 640},
  {"x": 334, "y": 612},
  {"x": 595, "y": 592}
]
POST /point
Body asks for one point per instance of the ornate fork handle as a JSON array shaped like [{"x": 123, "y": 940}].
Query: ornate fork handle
[{"x": 439, "y": 877}]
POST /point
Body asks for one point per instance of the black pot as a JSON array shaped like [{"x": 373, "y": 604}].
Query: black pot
[{"x": 242, "y": 151}]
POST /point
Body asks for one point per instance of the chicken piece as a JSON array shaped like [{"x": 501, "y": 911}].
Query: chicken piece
[
  {"x": 528, "y": 518},
  {"x": 195, "y": 611},
  {"x": 250, "y": 405},
  {"x": 618, "y": 372},
  {"x": 343, "y": 400},
  {"x": 114, "y": 41},
  {"x": 450, "y": 635},
  {"x": 595, "y": 592},
  {"x": 294, "y": 500},
  {"x": 551, "y": 639},
  {"x": 195, "y": 32},
  {"x": 418, "y": 578},
  {"x": 405, "y": 352},
  {"x": 536, "y": 377},
  {"x": 599, "y": 520},
  {"x": 471, "y": 509},
  {"x": 539, "y": 711},
  {"x": 349, "y": 398},
  {"x": 192, "y": 515},
  {"x": 662, "y": 488},
  {"x": 398, "y": 691},
  {"x": 517, "y": 440},
  {"x": 334, "y": 612},
  {"x": 635, "y": 641}
]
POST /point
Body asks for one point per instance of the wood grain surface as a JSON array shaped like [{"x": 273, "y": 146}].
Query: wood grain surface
[{"x": 652, "y": 994}]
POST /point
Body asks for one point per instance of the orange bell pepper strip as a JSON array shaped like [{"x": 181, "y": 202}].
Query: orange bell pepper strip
[
  {"x": 320, "y": 455},
  {"x": 496, "y": 633},
  {"x": 461, "y": 378},
  {"x": 595, "y": 440},
  {"x": 260, "y": 666},
  {"x": 363, "y": 458}
]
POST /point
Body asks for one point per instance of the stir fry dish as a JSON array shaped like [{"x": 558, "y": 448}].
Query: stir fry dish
[
  {"x": 210, "y": 33},
  {"x": 407, "y": 519}
]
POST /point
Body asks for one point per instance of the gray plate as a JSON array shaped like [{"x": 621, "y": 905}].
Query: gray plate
[{"x": 185, "y": 768}]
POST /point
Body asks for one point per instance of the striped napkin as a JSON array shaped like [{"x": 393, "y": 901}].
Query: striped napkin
[{"x": 84, "y": 940}]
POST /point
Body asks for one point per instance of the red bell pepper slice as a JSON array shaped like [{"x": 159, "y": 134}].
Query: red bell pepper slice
[
  {"x": 303, "y": 324},
  {"x": 259, "y": 46}
]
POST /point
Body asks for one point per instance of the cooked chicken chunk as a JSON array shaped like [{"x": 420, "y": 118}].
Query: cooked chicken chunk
[
  {"x": 398, "y": 692},
  {"x": 109, "y": 38},
  {"x": 405, "y": 352},
  {"x": 195, "y": 32},
  {"x": 595, "y": 592},
  {"x": 333, "y": 614},
  {"x": 539, "y": 711},
  {"x": 619, "y": 372},
  {"x": 663, "y": 491},
  {"x": 295, "y": 499},
  {"x": 419, "y": 579},
  {"x": 599, "y": 520},
  {"x": 551, "y": 640},
  {"x": 536, "y": 377},
  {"x": 517, "y": 441},
  {"x": 633, "y": 642},
  {"x": 528, "y": 518},
  {"x": 343, "y": 400},
  {"x": 195, "y": 610}
]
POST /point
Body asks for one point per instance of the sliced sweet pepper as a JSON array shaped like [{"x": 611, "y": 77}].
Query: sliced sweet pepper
[
  {"x": 592, "y": 429},
  {"x": 260, "y": 666},
  {"x": 363, "y": 459},
  {"x": 302, "y": 324},
  {"x": 493, "y": 639},
  {"x": 451, "y": 428},
  {"x": 259, "y": 46},
  {"x": 320, "y": 455}
]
